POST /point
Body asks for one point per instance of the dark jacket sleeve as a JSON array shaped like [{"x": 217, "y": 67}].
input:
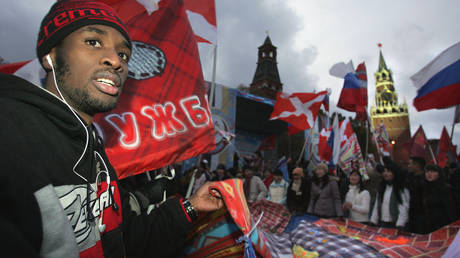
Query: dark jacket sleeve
[
  {"x": 20, "y": 219},
  {"x": 336, "y": 198},
  {"x": 448, "y": 203},
  {"x": 161, "y": 233}
]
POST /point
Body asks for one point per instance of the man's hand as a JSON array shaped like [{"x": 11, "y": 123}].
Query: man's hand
[{"x": 203, "y": 201}]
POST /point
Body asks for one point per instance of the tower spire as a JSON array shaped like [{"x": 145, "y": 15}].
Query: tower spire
[
  {"x": 382, "y": 64},
  {"x": 266, "y": 81}
]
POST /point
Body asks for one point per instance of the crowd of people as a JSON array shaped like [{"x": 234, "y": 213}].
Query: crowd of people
[{"x": 418, "y": 198}]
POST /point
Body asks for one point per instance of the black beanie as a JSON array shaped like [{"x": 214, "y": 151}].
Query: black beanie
[{"x": 66, "y": 16}]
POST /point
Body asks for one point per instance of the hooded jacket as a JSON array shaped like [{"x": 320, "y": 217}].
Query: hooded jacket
[{"x": 52, "y": 204}]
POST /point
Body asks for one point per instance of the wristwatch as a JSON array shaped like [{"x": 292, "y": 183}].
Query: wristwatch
[{"x": 189, "y": 209}]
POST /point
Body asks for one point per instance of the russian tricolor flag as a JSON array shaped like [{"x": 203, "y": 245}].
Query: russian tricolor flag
[
  {"x": 354, "y": 92},
  {"x": 438, "y": 82}
]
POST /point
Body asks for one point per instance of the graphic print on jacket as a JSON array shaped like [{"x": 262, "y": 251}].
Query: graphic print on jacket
[{"x": 74, "y": 202}]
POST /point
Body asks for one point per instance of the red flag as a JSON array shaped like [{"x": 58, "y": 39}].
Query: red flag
[
  {"x": 354, "y": 92},
  {"x": 324, "y": 149},
  {"x": 293, "y": 130},
  {"x": 269, "y": 143},
  {"x": 298, "y": 109},
  {"x": 162, "y": 115},
  {"x": 417, "y": 143},
  {"x": 202, "y": 17},
  {"x": 445, "y": 146},
  {"x": 12, "y": 68}
]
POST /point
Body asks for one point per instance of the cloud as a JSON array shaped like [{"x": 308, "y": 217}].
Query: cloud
[
  {"x": 242, "y": 27},
  {"x": 19, "y": 25}
]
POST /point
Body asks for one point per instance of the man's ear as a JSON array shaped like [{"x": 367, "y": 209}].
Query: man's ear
[{"x": 48, "y": 60}]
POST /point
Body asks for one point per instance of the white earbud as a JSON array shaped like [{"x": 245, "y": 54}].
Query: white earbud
[
  {"x": 101, "y": 226},
  {"x": 49, "y": 60}
]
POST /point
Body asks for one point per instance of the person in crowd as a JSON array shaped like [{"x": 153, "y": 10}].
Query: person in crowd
[
  {"x": 325, "y": 199},
  {"x": 267, "y": 177},
  {"x": 257, "y": 164},
  {"x": 254, "y": 188},
  {"x": 374, "y": 170},
  {"x": 357, "y": 200},
  {"x": 205, "y": 166},
  {"x": 220, "y": 173},
  {"x": 415, "y": 181},
  {"x": 200, "y": 177},
  {"x": 239, "y": 173},
  {"x": 454, "y": 181},
  {"x": 452, "y": 167},
  {"x": 277, "y": 190},
  {"x": 63, "y": 194},
  {"x": 298, "y": 192},
  {"x": 437, "y": 200},
  {"x": 343, "y": 183},
  {"x": 391, "y": 207}
]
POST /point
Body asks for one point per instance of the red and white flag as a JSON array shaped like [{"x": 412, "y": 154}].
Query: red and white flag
[
  {"x": 351, "y": 157},
  {"x": 324, "y": 149},
  {"x": 382, "y": 139},
  {"x": 346, "y": 132},
  {"x": 298, "y": 109},
  {"x": 202, "y": 17}
]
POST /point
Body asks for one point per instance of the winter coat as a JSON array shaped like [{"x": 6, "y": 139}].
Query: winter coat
[
  {"x": 437, "y": 206},
  {"x": 415, "y": 185},
  {"x": 325, "y": 199},
  {"x": 257, "y": 189},
  {"x": 360, "y": 201},
  {"x": 398, "y": 212},
  {"x": 297, "y": 201}
]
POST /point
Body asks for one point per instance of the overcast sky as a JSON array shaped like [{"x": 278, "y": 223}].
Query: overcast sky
[{"x": 310, "y": 36}]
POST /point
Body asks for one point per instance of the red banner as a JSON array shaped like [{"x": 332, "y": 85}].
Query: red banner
[{"x": 162, "y": 115}]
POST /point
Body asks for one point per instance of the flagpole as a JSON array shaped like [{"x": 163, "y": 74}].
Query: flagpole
[
  {"x": 431, "y": 152},
  {"x": 456, "y": 118},
  {"x": 367, "y": 136},
  {"x": 305, "y": 143},
  {"x": 213, "y": 82}
]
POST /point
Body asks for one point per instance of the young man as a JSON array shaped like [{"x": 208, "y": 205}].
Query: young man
[{"x": 60, "y": 193}]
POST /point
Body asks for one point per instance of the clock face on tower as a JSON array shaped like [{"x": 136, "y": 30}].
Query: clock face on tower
[{"x": 387, "y": 96}]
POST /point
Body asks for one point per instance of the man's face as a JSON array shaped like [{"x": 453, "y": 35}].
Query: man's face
[{"x": 91, "y": 67}]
